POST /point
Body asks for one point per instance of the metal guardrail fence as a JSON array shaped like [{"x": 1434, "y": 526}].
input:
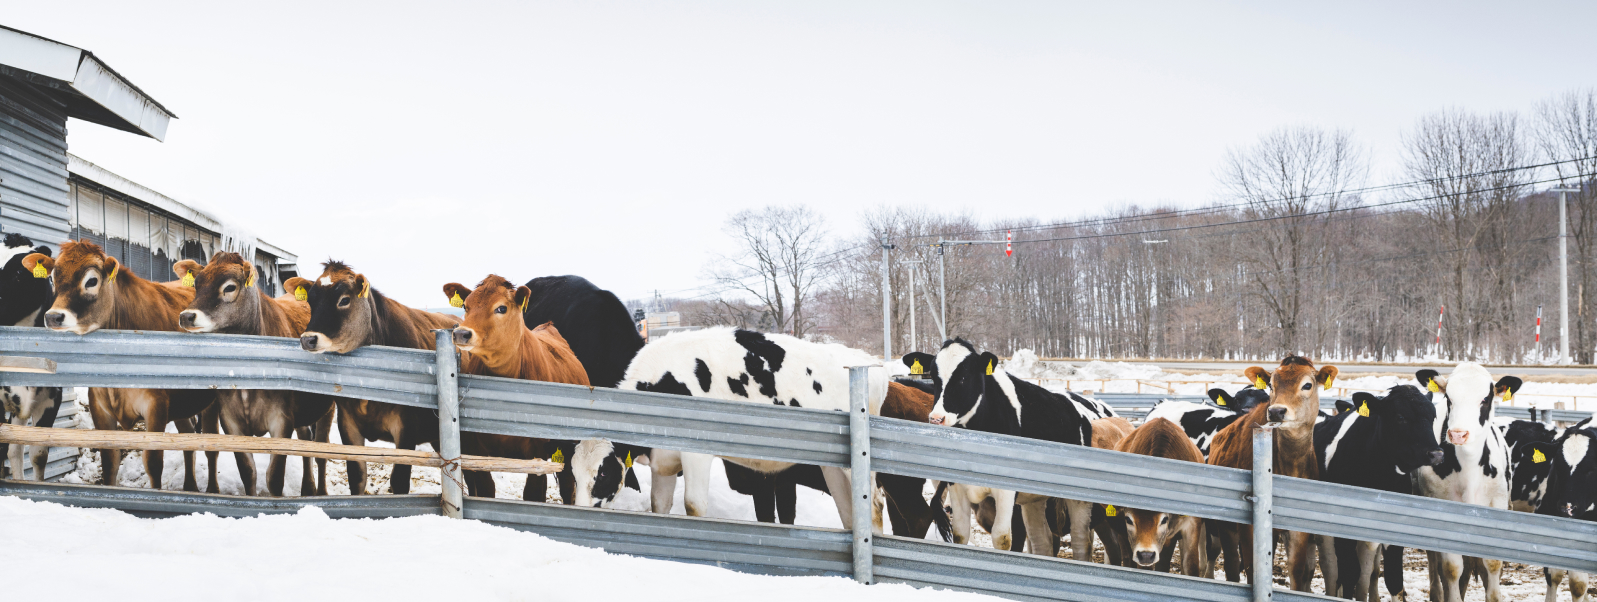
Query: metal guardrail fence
[{"x": 492, "y": 405}]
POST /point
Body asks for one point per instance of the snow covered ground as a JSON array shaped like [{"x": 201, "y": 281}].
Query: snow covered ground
[{"x": 310, "y": 556}]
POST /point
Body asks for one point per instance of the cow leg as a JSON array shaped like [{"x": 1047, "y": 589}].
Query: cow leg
[
  {"x": 1194, "y": 540},
  {"x": 100, "y": 414},
  {"x": 399, "y": 478},
  {"x": 1300, "y": 560},
  {"x": 696, "y": 470},
  {"x": 280, "y": 427},
  {"x": 664, "y": 466},
  {"x": 536, "y": 489},
  {"x": 837, "y": 482},
  {"x": 764, "y": 498},
  {"x": 1392, "y": 571},
  {"x": 1364, "y": 554},
  {"x": 154, "y": 459},
  {"x": 188, "y": 425},
  {"x": 210, "y": 423},
  {"x": 1080, "y": 530},
  {"x": 1244, "y": 546},
  {"x": 1493, "y": 578},
  {"x": 480, "y": 484},
  {"x": 233, "y": 421},
  {"x": 1003, "y": 514},
  {"x": 1112, "y": 532},
  {"x": 961, "y": 515},
  {"x": 323, "y": 433},
  {"x": 1451, "y": 568},
  {"x": 1331, "y": 566},
  {"x": 784, "y": 495},
  {"x": 307, "y": 481},
  {"x": 1554, "y": 577},
  {"x": 1579, "y": 584},
  {"x": 1034, "y": 517},
  {"x": 14, "y": 452},
  {"x": 349, "y": 434}
]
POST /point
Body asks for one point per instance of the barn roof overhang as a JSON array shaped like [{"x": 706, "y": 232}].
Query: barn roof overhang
[{"x": 89, "y": 88}]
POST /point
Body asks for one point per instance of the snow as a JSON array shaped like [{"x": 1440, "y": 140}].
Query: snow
[{"x": 312, "y": 556}]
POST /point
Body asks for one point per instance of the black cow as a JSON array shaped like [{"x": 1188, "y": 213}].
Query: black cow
[
  {"x": 1527, "y": 480},
  {"x": 24, "y": 297},
  {"x": 592, "y": 320},
  {"x": 1376, "y": 446},
  {"x": 1571, "y": 491}
]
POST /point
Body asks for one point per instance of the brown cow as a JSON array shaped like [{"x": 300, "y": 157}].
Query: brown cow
[
  {"x": 494, "y": 340},
  {"x": 227, "y": 301},
  {"x": 906, "y": 505},
  {"x": 1151, "y": 536},
  {"x": 347, "y": 314},
  {"x": 1294, "y": 403},
  {"x": 94, "y": 291}
]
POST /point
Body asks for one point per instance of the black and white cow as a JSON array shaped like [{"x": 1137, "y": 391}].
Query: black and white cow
[
  {"x": 1474, "y": 467},
  {"x": 1200, "y": 421},
  {"x": 1529, "y": 478},
  {"x": 737, "y": 365},
  {"x": 1379, "y": 445},
  {"x": 24, "y": 297},
  {"x": 978, "y": 395},
  {"x": 1571, "y": 492}
]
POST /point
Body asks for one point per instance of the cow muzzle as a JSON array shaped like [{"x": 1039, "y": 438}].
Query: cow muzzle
[
  {"x": 939, "y": 418},
  {"x": 56, "y": 319},
  {"x": 1457, "y": 436},
  {"x": 465, "y": 337},
  {"x": 1276, "y": 414},
  {"x": 1146, "y": 557},
  {"x": 313, "y": 342},
  {"x": 1436, "y": 458},
  {"x": 194, "y": 321}
]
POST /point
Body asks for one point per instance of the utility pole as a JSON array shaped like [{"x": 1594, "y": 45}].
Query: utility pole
[
  {"x": 942, "y": 274},
  {"x": 887, "y": 306},
  {"x": 912, "y": 340},
  {"x": 1563, "y": 273}
]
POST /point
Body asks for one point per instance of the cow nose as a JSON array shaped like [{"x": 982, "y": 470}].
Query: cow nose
[
  {"x": 186, "y": 319},
  {"x": 1277, "y": 414},
  {"x": 463, "y": 336},
  {"x": 937, "y": 418},
  {"x": 1436, "y": 457},
  {"x": 1146, "y": 558},
  {"x": 1457, "y": 436},
  {"x": 308, "y": 341},
  {"x": 54, "y": 319}
]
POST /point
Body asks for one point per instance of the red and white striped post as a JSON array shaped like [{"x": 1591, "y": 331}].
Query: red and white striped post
[
  {"x": 1538, "y": 332},
  {"x": 1439, "y": 315},
  {"x": 1009, "y": 239}
]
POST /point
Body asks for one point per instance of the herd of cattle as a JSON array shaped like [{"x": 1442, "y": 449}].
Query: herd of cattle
[{"x": 1440, "y": 439}]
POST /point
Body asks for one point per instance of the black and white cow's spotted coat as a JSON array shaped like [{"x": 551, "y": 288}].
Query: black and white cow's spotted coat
[
  {"x": 1200, "y": 421},
  {"x": 746, "y": 366},
  {"x": 24, "y": 298},
  {"x": 1570, "y": 491}
]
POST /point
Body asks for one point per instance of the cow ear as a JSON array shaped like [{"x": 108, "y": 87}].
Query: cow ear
[
  {"x": 989, "y": 362},
  {"x": 1428, "y": 380},
  {"x": 112, "y": 268},
  {"x": 920, "y": 363},
  {"x": 184, "y": 268},
  {"x": 1540, "y": 452},
  {"x": 363, "y": 287},
  {"x": 456, "y": 293},
  {"x": 1220, "y": 397},
  {"x": 523, "y": 295},
  {"x": 34, "y": 261},
  {"x": 43, "y": 250},
  {"x": 299, "y": 286},
  {"x": 1326, "y": 376},
  {"x": 1508, "y": 386},
  {"x": 1258, "y": 376},
  {"x": 1344, "y": 406}
]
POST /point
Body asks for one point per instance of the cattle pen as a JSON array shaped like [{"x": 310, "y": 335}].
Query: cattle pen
[{"x": 862, "y": 443}]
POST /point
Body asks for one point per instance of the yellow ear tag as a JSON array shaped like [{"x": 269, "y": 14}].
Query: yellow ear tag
[
  {"x": 247, "y": 284},
  {"x": 524, "y": 301},
  {"x": 114, "y": 271},
  {"x": 1110, "y": 511},
  {"x": 299, "y": 294},
  {"x": 1431, "y": 386},
  {"x": 188, "y": 280},
  {"x": 456, "y": 301},
  {"x": 1328, "y": 381},
  {"x": 1220, "y": 401},
  {"x": 558, "y": 457},
  {"x": 364, "y": 289},
  {"x": 1364, "y": 409},
  {"x": 1537, "y": 456},
  {"x": 1508, "y": 395},
  {"x": 629, "y": 459},
  {"x": 39, "y": 271},
  {"x": 1258, "y": 383},
  {"x": 989, "y": 368},
  {"x": 916, "y": 368}
]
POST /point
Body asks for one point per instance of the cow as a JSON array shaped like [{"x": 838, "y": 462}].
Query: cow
[
  {"x": 593, "y": 321},
  {"x": 1571, "y": 492},
  {"x": 347, "y": 313},
  {"x": 94, "y": 291},
  {"x": 1379, "y": 446},
  {"x": 1474, "y": 468},
  {"x": 745, "y": 366},
  {"x": 23, "y": 300},
  {"x": 494, "y": 340},
  {"x": 1294, "y": 406},
  {"x": 1200, "y": 421},
  {"x": 228, "y": 301},
  {"x": 979, "y": 395},
  {"x": 1152, "y": 536}
]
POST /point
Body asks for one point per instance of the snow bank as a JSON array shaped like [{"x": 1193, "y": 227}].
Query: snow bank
[{"x": 310, "y": 556}]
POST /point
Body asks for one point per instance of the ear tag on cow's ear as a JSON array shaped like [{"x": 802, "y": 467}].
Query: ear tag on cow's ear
[
  {"x": 1110, "y": 511},
  {"x": 989, "y": 368},
  {"x": 629, "y": 459},
  {"x": 39, "y": 271},
  {"x": 1364, "y": 409},
  {"x": 524, "y": 301},
  {"x": 916, "y": 368},
  {"x": 1328, "y": 381},
  {"x": 1430, "y": 385},
  {"x": 188, "y": 280},
  {"x": 456, "y": 301},
  {"x": 1258, "y": 383},
  {"x": 248, "y": 284},
  {"x": 1220, "y": 401},
  {"x": 1537, "y": 456},
  {"x": 558, "y": 457},
  {"x": 364, "y": 290},
  {"x": 299, "y": 293},
  {"x": 114, "y": 271},
  {"x": 1508, "y": 395}
]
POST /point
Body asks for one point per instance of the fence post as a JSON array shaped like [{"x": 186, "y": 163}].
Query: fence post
[
  {"x": 449, "y": 422},
  {"x": 1263, "y": 523},
  {"x": 859, "y": 454}
]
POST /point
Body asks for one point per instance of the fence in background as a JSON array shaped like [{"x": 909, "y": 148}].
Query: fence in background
[{"x": 511, "y": 407}]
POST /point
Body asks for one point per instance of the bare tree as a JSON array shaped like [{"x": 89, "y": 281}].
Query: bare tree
[
  {"x": 1289, "y": 178},
  {"x": 779, "y": 262},
  {"x": 1566, "y": 133}
]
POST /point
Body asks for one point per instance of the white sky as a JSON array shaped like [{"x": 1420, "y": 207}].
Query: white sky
[{"x": 438, "y": 142}]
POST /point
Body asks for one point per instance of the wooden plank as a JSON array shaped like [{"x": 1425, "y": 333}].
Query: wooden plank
[
  {"x": 54, "y": 437},
  {"x": 37, "y": 365}
]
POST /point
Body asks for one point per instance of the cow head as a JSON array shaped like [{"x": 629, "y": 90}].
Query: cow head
[
  {"x": 225, "y": 296},
  {"x": 343, "y": 305},
  {"x": 1572, "y": 480},
  {"x": 493, "y": 322},
  {"x": 85, "y": 286},
  {"x": 1406, "y": 417},
  {"x": 1147, "y": 532},
  {"x": 1294, "y": 389},
  {"x": 1469, "y": 394},
  {"x": 963, "y": 376},
  {"x": 600, "y": 469},
  {"x": 1243, "y": 401},
  {"x": 23, "y": 292}
]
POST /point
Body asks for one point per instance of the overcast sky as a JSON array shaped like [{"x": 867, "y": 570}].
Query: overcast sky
[{"x": 447, "y": 140}]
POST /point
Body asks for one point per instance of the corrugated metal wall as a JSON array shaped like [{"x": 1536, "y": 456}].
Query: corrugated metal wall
[{"x": 33, "y": 163}]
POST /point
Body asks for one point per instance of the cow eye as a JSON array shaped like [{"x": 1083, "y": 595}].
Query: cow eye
[
  {"x": 229, "y": 288},
  {"x": 91, "y": 282},
  {"x": 1164, "y": 520},
  {"x": 501, "y": 309},
  {"x": 343, "y": 301},
  {"x": 1307, "y": 386}
]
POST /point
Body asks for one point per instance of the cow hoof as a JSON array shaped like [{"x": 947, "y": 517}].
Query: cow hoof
[{"x": 1002, "y": 542}]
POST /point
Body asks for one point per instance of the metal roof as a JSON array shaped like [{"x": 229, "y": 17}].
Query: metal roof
[{"x": 89, "y": 88}]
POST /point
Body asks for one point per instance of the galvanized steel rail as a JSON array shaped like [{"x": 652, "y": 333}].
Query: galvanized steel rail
[{"x": 513, "y": 407}]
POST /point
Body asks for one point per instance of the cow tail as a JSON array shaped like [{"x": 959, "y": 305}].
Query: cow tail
[{"x": 945, "y": 526}]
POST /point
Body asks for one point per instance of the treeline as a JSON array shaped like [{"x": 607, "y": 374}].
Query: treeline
[{"x": 1303, "y": 256}]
